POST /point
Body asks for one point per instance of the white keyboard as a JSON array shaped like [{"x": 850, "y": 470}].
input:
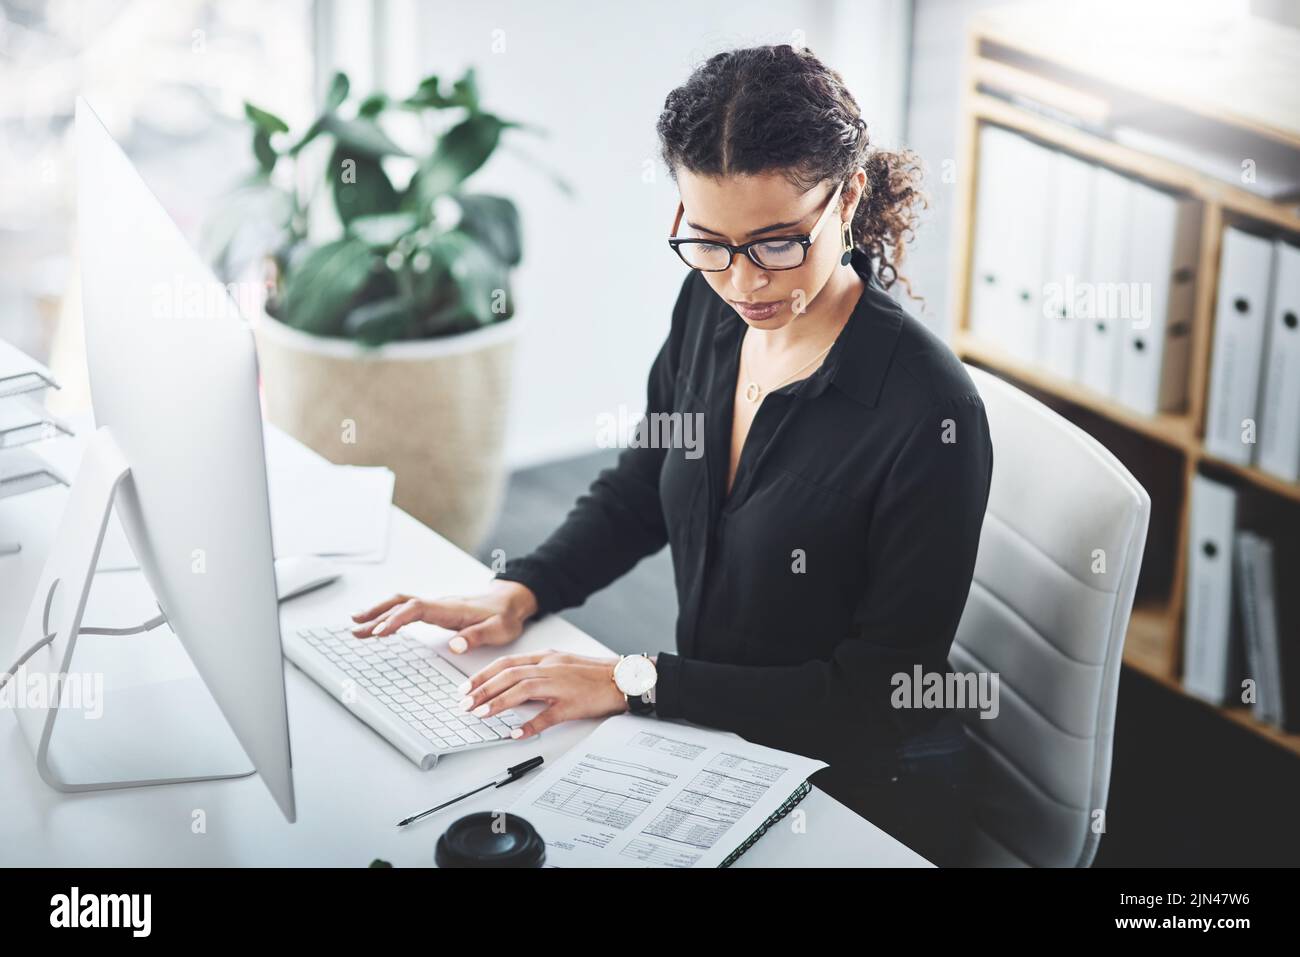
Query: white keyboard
[{"x": 403, "y": 689}]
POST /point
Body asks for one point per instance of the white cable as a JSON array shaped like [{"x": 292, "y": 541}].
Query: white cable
[
  {"x": 5, "y": 678},
  {"x": 150, "y": 625}
]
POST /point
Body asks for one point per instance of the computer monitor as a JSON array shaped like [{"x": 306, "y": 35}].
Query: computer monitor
[{"x": 174, "y": 385}]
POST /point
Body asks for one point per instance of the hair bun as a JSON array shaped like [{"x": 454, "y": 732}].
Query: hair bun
[{"x": 854, "y": 130}]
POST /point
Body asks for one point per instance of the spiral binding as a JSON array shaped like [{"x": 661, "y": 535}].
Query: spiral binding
[{"x": 799, "y": 794}]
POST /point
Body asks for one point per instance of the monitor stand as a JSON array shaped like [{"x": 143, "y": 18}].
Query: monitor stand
[{"x": 137, "y": 734}]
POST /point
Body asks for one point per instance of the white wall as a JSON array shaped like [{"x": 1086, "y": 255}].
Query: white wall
[
  {"x": 936, "y": 64},
  {"x": 598, "y": 280}
]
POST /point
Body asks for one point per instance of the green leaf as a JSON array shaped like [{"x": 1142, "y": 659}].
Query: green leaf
[
  {"x": 313, "y": 131},
  {"x": 429, "y": 95},
  {"x": 426, "y": 95},
  {"x": 373, "y": 105},
  {"x": 361, "y": 187},
  {"x": 264, "y": 121},
  {"x": 263, "y": 150},
  {"x": 337, "y": 93},
  {"x": 375, "y": 323},
  {"x": 382, "y": 229},
  {"x": 461, "y": 151},
  {"x": 448, "y": 321},
  {"x": 478, "y": 274},
  {"x": 465, "y": 91},
  {"x": 361, "y": 136},
  {"x": 493, "y": 221},
  {"x": 319, "y": 291}
]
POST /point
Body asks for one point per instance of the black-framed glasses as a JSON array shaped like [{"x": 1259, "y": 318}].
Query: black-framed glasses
[{"x": 772, "y": 253}]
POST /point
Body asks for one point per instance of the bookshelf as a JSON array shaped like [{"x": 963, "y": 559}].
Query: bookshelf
[{"x": 1060, "y": 74}]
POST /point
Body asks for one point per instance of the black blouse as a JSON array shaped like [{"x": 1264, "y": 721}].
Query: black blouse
[{"x": 843, "y": 554}]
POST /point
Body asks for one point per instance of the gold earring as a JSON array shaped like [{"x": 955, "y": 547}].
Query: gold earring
[{"x": 846, "y": 236}]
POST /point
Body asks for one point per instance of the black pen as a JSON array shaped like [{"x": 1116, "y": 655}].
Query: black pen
[{"x": 511, "y": 774}]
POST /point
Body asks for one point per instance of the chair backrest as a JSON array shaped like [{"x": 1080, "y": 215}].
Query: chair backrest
[{"x": 1057, "y": 569}]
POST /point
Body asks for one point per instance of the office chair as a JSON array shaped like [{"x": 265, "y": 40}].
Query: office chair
[{"x": 1049, "y": 618}]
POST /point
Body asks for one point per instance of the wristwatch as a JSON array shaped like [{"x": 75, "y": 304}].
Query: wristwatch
[{"x": 635, "y": 676}]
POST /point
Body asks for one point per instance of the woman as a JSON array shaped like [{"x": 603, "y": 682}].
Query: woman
[{"x": 825, "y": 540}]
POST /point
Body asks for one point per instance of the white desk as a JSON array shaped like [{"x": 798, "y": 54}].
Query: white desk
[{"x": 351, "y": 785}]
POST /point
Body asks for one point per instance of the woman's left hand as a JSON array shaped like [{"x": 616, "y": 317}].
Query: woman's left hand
[{"x": 573, "y": 686}]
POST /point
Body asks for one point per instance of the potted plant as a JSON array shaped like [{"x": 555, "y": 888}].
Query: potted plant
[{"x": 386, "y": 337}]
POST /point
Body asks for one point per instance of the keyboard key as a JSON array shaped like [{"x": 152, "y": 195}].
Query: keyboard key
[{"x": 412, "y": 682}]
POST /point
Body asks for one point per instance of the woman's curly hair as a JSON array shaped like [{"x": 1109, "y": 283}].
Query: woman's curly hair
[{"x": 766, "y": 108}]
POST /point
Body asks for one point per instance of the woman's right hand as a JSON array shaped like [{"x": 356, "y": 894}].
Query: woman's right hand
[{"x": 495, "y": 617}]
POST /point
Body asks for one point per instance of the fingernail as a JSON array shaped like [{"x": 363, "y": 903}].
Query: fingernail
[
  {"x": 516, "y": 732},
  {"x": 379, "y": 628},
  {"x": 466, "y": 704},
  {"x": 481, "y": 711},
  {"x": 458, "y": 644},
  {"x": 464, "y": 688}
]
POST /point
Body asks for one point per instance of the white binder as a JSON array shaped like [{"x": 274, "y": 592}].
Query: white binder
[
  {"x": 1164, "y": 235},
  {"x": 1255, "y": 584},
  {"x": 1108, "y": 277},
  {"x": 1279, "y": 404},
  {"x": 1010, "y": 242},
  {"x": 1207, "y": 633},
  {"x": 1026, "y": 245},
  {"x": 1071, "y": 214},
  {"x": 1239, "y": 319},
  {"x": 991, "y": 284}
]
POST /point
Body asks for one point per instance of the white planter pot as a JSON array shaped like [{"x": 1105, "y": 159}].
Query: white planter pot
[{"x": 433, "y": 411}]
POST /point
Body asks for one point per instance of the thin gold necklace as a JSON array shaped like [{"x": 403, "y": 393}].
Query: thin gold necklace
[{"x": 754, "y": 392}]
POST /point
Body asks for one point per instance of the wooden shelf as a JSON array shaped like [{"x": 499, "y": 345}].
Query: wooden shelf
[
  {"x": 1242, "y": 716},
  {"x": 1090, "y": 67},
  {"x": 1174, "y": 430},
  {"x": 1149, "y": 644},
  {"x": 1236, "y": 71},
  {"x": 1125, "y": 159},
  {"x": 1148, "y": 649},
  {"x": 1261, "y": 480}
]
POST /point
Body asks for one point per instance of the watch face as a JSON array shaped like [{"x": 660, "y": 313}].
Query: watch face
[{"x": 635, "y": 675}]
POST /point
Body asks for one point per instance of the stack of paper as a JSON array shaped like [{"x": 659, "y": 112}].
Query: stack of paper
[
  {"x": 1252, "y": 163},
  {"x": 337, "y": 511},
  {"x": 340, "y": 511},
  {"x": 642, "y": 792},
  {"x": 21, "y": 373},
  {"x": 24, "y": 471},
  {"x": 23, "y": 422}
]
